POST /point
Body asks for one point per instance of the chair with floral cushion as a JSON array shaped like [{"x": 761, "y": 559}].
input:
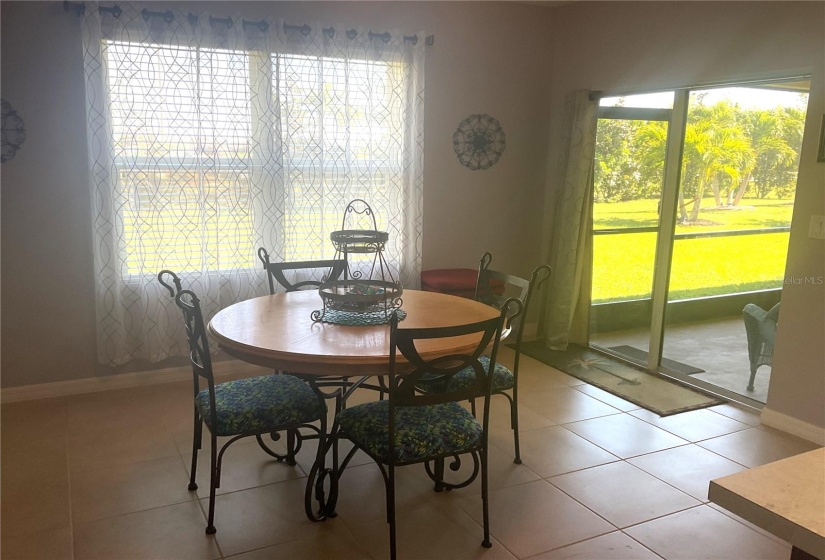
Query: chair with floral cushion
[
  {"x": 241, "y": 408},
  {"x": 411, "y": 427},
  {"x": 494, "y": 288}
]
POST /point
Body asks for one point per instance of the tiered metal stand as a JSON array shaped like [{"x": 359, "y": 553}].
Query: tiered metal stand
[{"x": 366, "y": 299}]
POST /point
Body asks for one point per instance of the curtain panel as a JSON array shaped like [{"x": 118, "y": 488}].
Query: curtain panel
[
  {"x": 210, "y": 136},
  {"x": 568, "y": 308}
]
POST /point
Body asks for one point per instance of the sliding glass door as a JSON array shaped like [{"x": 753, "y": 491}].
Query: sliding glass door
[
  {"x": 631, "y": 141},
  {"x": 692, "y": 209}
]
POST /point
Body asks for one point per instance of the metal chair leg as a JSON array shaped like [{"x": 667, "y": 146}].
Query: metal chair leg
[
  {"x": 197, "y": 440},
  {"x": 290, "y": 447},
  {"x": 753, "y": 376},
  {"x": 514, "y": 426},
  {"x": 485, "y": 505},
  {"x": 213, "y": 481},
  {"x": 439, "y": 474},
  {"x": 391, "y": 509}
]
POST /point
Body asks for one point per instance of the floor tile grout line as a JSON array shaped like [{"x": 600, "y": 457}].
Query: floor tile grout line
[
  {"x": 683, "y": 437},
  {"x": 604, "y": 401},
  {"x": 587, "y": 440},
  {"x": 559, "y": 423},
  {"x": 198, "y": 502},
  {"x": 461, "y": 509},
  {"x": 634, "y": 524},
  {"x": 612, "y": 453},
  {"x": 660, "y": 479},
  {"x": 681, "y": 510},
  {"x": 703, "y": 500},
  {"x": 82, "y": 524},
  {"x": 643, "y": 545},
  {"x": 741, "y": 521},
  {"x": 707, "y": 505},
  {"x": 698, "y": 444},
  {"x": 543, "y": 552},
  {"x": 730, "y": 403}
]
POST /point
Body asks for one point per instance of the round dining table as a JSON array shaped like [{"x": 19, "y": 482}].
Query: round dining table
[{"x": 278, "y": 332}]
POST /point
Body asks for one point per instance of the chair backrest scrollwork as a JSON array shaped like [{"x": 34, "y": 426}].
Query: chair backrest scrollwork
[{"x": 276, "y": 272}]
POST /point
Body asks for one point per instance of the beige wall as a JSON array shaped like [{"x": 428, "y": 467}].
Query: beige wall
[
  {"x": 629, "y": 46},
  {"x": 487, "y": 58}
]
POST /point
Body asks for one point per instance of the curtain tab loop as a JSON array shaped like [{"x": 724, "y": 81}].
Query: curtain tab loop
[
  {"x": 262, "y": 25},
  {"x": 227, "y": 21},
  {"x": 167, "y": 16},
  {"x": 302, "y": 29},
  {"x": 383, "y": 36},
  {"x": 114, "y": 10},
  {"x": 78, "y": 8}
]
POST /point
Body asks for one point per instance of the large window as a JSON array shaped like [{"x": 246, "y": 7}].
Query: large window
[
  {"x": 183, "y": 136},
  {"x": 210, "y": 137}
]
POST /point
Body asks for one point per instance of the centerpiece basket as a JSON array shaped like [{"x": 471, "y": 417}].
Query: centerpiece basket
[{"x": 360, "y": 299}]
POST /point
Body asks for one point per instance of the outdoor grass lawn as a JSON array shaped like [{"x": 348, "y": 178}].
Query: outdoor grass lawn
[{"x": 623, "y": 264}]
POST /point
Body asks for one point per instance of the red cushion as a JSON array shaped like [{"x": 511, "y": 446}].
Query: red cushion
[{"x": 449, "y": 279}]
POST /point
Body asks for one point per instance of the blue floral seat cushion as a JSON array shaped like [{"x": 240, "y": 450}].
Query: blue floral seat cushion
[
  {"x": 420, "y": 431},
  {"x": 259, "y": 404},
  {"x": 503, "y": 379}
]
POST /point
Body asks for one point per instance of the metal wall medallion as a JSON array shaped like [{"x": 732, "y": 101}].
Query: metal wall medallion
[
  {"x": 479, "y": 142},
  {"x": 13, "y": 132}
]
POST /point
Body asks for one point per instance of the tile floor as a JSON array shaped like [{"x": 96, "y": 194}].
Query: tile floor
[{"x": 104, "y": 476}]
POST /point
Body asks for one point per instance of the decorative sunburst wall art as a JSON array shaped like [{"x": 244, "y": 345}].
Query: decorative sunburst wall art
[
  {"x": 13, "y": 132},
  {"x": 479, "y": 142}
]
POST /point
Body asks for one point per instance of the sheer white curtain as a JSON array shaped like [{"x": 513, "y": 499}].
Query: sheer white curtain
[
  {"x": 569, "y": 298},
  {"x": 210, "y": 136}
]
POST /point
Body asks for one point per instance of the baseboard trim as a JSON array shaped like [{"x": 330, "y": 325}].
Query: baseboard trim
[
  {"x": 222, "y": 370},
  {"x": 793, "y": 426}
]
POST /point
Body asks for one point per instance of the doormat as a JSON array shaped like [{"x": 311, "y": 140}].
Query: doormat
[
  {"x": 641, "y": 356},
  {"x": 654, "y": 393}
]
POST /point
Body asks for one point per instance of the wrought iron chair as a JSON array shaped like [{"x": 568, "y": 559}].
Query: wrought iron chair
[
  {"x": 275, "y": 272},
  {"x": 760, "y": 326},
  {"x": 241, "y": 408},
  {"x": 411, "y": 427},
  {"x": 494, "y": 288}
]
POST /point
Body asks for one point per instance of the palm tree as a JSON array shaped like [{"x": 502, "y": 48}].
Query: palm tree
[
  {"x": 770, "y": 151},
  {"x": 715, "y": 147}
]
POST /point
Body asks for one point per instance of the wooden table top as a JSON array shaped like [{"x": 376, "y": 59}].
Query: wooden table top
[
  {"x": 786, "y": 498},
  {"x": 277, "y": 332}
]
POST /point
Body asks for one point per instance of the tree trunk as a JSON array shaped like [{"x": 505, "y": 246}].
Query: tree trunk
[
  {"x": 716, "y": 196},
  {"x": 697, "y": 202},
  {"x": 682, "y": 212},
  {"x": 740, "y": 192}
]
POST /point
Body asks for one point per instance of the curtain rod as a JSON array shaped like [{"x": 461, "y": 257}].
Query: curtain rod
[{"x": 262, "y": 25}]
